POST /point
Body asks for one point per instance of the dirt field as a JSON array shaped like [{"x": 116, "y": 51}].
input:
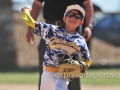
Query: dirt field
[{"x": 34, "y": 87}]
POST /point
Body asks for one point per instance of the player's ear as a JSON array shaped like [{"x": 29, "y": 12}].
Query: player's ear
[
  {"x": 81, "y": 23},
  {"x": 64, "y": 19}
]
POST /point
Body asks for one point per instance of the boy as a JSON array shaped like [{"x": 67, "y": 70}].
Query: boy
[{"x": 60, "y": 41}]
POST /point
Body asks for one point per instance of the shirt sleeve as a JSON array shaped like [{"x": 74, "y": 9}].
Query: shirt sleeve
[
  {"x": 41, "y": 0},
  {"x": 44, "y": 30},
  {"x": 85, "y": 53}
]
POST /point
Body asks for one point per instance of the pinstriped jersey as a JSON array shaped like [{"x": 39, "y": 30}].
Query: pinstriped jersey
[{"x": 59, "y": 42}]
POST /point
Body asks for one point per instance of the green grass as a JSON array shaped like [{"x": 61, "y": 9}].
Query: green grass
[
  {"x": 92, "y": 77},
  {"x": 102, "y": 77},
  {"x": 19, "y": 77}
]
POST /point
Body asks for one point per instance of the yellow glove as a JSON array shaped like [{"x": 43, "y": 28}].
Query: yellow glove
[{"x": 28, "y": 19}]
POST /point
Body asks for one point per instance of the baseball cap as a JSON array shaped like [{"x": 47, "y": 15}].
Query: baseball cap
[{"x": 76, "y": 7}]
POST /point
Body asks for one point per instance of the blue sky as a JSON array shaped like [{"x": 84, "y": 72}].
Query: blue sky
[
  {"x": 107, "y": 6},
  {"x": 17, "y": 4}
]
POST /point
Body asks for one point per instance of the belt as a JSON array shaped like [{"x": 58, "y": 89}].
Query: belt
[
  {"x": 51, "y": 69},
  {"x": 58, "y": 23}
]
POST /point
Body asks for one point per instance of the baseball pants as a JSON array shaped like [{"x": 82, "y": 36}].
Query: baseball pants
[{"x": 53, "y": 81}]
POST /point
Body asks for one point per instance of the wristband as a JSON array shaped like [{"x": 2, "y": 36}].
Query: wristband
[{"x": 90, "y": 26}]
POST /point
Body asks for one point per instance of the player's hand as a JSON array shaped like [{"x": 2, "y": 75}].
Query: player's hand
[
  {"x": 87, "y": 33},
  {"x": 30, "y": 36},
  {"x": 83, "y": 67},
  {"x": 26, "y": 8}
]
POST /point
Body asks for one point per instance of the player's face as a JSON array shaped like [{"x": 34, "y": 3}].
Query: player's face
[{"x": 73, "y": 19}]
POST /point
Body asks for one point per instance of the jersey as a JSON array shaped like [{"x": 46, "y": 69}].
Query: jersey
[
  {"x": 53, "y": 10},
  {"x": 59, "y": 42}
]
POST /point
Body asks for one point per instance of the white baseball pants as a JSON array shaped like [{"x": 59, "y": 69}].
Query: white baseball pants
[{"x": 53, "y": 81}]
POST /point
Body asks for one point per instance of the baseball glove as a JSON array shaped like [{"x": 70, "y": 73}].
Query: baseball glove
[{"x": 70, "y": 68}]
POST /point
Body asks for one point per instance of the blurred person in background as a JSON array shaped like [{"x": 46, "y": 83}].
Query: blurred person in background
[{"x": 53, "y": 11}]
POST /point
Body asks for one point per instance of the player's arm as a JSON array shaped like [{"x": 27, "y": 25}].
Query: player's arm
[
  {"x": 33, "y": 15},
  {"x": 88, "y": 5},
  {"x": 30, "y": 17},
  {"x": 86, "y": 56},
  {"x": 86, "y": 59},
  {"x": 36, "y": 8},
  {"x": 40, "y": 28}
]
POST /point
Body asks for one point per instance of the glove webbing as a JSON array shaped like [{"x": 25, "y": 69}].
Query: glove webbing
[{"x": 68, "y": 60}]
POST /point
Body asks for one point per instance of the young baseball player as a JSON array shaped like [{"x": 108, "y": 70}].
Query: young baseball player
[{"x": 60, "y": 41}]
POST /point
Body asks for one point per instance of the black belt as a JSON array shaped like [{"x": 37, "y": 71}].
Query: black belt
[{"x": 58, "y": 23}]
